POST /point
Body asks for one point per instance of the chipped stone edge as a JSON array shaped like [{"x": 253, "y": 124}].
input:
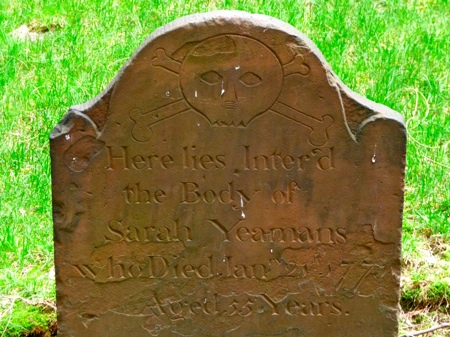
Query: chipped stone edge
[{"x": 380, "y": 111}]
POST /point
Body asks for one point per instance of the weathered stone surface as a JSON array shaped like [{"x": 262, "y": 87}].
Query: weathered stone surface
[{"x": 228, "y": 184}]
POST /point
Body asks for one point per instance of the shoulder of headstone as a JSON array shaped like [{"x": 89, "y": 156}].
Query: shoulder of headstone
[{"x": 361, "y": 111}]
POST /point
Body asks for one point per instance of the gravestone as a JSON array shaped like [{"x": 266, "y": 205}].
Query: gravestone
[{"x": 227, "y": 183}]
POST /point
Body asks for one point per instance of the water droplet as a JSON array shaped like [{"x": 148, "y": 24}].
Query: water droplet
[
  {"x": 374, "y": 157},
  {"x": 223, "y": 90}
]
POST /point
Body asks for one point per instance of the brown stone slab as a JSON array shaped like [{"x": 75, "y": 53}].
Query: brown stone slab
[{"x": 226, "y": 183}]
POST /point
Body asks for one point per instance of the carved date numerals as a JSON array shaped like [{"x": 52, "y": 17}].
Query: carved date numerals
[{"x": 356, "y": 274}]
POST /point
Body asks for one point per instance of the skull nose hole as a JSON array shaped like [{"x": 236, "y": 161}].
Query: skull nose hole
[{"x": 228, "y": 92}]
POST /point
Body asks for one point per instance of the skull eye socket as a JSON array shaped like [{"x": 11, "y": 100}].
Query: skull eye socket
[
  {"x": 250, "y": 79},
  {"x": 211, "y": 77}
]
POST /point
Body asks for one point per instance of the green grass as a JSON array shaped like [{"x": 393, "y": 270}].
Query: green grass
[
  {"x": 395, "y": 52},
  {"x": 31, "y": 318}
]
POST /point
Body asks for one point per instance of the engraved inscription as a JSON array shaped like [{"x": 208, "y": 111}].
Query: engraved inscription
[
  {"x": 175, "y": 232},
  {"x": 192, "y": 158},
  {"x": 283, "y": 234},
  {"x": 356, "y": 273},
  {"x": 322, "y": 158},
  {"x": 314, "y": 264},
  {"x": 192, "y": 193},
  {"x": 243, "y": 305},
  {"x": 187, "y": 158},
  {"x": 135, "y": 194},
  {"x": 115, "y": 269}
]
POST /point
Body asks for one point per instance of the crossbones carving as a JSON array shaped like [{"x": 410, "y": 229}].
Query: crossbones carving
[{"x": 230, "y": 80}]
